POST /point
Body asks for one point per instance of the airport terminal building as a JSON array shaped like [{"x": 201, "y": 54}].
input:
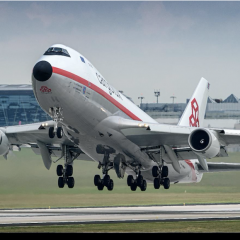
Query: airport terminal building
[
  {"x": 216, "y": 109},
  {"x": 18, "y": 105}
]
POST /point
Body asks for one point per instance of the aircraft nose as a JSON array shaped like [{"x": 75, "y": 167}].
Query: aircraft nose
[{"x": 42, "y": 71}]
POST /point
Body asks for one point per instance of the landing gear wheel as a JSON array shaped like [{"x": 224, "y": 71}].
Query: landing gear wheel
[
  {"x": 130, "y": 180},
  {"x": 70, "y": 182},
  {"x": 59, "y": 170},
  {"x": 106, "y": 180},
  {"x": 51, "y": 132},
  {"x": 59, "y": 132},
  {"x": 134, "y": 186},
  {"x": 156, "y": 183},
  {"x": 69, "y": 170},
  {"x": 164, "y": 171},
  {"x": 144, "y": 185},
  {"x": 100, "y": 186},
  {"x": 166, "y": 183},
  {"x": 110, "y": 185},
  {"x": 60, "y": 182},
  {"x": 155, "y": 171},
  {"x": 97, "y": 180},
  {"x": 140, "y": 180}
]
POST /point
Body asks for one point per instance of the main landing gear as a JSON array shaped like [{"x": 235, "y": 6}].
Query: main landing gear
[
  {"x": 57, "y": 115},
  {"x": 106, "y": 181},
  {"x": 138, "y": 182},
  {"x": 160, "y": 177},
  {"x": 65, "y": 176},
  {"x": 65, "y": 172}
]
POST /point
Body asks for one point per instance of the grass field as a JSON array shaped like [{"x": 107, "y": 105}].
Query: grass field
[
  {"x": 25, "y": 183},
  {"x": 229, "y": 226}
]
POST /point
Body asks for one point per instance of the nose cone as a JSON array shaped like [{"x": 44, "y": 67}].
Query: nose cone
[{"x": 42, "y": 71}]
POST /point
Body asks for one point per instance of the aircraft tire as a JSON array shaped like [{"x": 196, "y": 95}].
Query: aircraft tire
[
  {"x": 97, "y": 180},
  {"x": 60, "y": 182},
  {"x": 166, "y": 183},
  {"x": 70, "y": 182},
  {"x": 100, "y": 186},
  {"x": 51, "y": 132},
  {"x": 69, "y": 170},
  {"x": 140, "y": 180},
  {"x": 155, "y": 171},
  {"x": 144, "y": 185},
  {"x": 106, "y": 180},
  {"x": 59, "y": 132},
  {"x": 110, "y": 185},
  {"x": 130, "y": 180},
  {"x": 164, "y": 171},
  {"x": 60, "y": 170},
  {"x": 156, "y": 183},
  {"x": 133, "y": 186}
]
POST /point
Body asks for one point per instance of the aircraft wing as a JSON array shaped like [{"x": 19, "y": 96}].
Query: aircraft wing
[
  {"x": 35, "y": 136},
  {"x": 219, "y": 167},
  {"x": 175, "y": 136},
  {"x": 150, "y": 135}
]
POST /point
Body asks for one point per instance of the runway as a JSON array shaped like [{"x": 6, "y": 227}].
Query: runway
[{"x": 118, "y": 214}]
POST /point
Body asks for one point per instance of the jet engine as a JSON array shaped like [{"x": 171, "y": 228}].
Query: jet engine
[
  {"x": 204, "y": 142},
  {"x": 4, "y": 143}
]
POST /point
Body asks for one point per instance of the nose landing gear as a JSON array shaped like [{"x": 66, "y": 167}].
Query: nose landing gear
[{"x": 57, "y": 115}]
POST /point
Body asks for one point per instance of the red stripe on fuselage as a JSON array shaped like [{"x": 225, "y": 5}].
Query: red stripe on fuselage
[{"x": 96, "y": 89}]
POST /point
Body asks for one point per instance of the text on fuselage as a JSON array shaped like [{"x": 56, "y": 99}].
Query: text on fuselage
[{"x": 111, "y": 89}]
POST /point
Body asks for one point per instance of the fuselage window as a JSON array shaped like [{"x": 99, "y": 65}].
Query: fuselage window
[{"x": 57, "y": 51}]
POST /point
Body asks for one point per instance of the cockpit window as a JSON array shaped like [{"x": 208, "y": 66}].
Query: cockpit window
[{"x": 57, "y": 51}]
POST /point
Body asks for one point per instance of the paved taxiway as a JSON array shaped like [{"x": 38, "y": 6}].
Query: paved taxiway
[{"x": 118, "y": 214}]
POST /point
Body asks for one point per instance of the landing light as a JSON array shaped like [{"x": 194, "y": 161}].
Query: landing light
[{"x": 143, "y": 125}]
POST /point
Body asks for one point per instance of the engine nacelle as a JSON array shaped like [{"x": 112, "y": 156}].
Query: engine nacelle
[
  {"x": 4, "y": 143},
  {"x": 204, "y": 142}
]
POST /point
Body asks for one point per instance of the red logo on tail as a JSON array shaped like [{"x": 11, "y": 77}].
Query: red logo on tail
[{"x": 193, "y": 119}]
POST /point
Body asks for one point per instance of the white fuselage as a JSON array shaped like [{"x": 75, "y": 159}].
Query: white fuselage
[{"x": 86, "y": 99}]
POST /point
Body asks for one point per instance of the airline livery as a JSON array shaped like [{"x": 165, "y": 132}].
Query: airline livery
[{"x": 93, "y": 121}]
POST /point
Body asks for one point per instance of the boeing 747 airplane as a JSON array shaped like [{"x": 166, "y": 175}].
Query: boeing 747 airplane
[{"x": 94, "y": 121}]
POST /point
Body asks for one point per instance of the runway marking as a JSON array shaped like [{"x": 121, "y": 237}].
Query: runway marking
[{"x": 27, "y": 217}]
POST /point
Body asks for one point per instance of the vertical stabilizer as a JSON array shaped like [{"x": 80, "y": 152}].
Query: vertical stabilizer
[{"x": 193, "y": 115}]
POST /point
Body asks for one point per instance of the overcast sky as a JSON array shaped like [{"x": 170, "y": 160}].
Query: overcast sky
[{"x": 137, "y": 46}]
